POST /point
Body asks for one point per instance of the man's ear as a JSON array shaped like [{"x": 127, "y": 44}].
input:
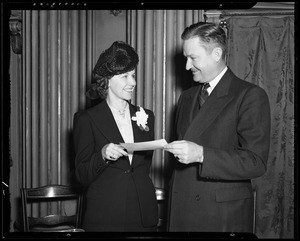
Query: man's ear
[{"x": 217, "y": 53}]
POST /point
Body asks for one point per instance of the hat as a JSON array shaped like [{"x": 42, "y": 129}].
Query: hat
[{"x": 119, "y": 58}]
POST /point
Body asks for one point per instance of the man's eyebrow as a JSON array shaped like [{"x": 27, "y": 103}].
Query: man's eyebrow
[{"x": 190, "y": 55}]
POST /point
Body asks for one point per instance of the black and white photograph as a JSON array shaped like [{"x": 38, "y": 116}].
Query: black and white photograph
[{"x": 143, "y": 119}]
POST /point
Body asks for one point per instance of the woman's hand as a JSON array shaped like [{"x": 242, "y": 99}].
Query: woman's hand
[{"x": 113, "y": 152}]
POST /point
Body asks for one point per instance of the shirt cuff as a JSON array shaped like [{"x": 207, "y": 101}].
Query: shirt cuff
[{"x": 202, "y": 155}]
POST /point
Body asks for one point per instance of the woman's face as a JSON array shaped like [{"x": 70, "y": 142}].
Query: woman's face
[{"x": 121, "y": 86}]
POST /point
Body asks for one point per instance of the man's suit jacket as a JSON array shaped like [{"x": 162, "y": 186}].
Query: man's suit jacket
[
  {"x": 233, "y": 126},
  {"x": 108, "y": 184}
]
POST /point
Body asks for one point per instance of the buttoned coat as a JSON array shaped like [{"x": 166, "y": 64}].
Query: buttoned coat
[
  {"x": 233, "y": 126},
  {"x": 110, "y": 184}
]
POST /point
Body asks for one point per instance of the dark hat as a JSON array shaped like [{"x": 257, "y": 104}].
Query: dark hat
[{"x": 119, "y": 58}]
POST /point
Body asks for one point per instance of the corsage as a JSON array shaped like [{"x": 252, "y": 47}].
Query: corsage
[{"x": 141, "y": 119}]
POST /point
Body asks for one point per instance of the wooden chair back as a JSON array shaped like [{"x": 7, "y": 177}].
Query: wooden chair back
[{"x": 54, "y": 222}]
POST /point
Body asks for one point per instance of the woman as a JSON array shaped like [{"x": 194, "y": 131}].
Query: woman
[{"x": 120, "y": 195}]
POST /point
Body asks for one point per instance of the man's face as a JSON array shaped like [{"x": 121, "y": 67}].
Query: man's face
[{"x": 199, "y": 60}]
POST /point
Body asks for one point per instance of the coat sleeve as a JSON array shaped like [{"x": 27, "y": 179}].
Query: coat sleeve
[
  {"x": 151, "y": 124},
  {"x": 88, "y": 160},
  {"x": 248, "y": 157}
]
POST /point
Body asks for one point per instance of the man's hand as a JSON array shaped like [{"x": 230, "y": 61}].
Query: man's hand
[{"x": 185, "y": 151}]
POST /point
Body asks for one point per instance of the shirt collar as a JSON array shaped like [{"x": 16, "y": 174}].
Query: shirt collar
[{"x": 216, "y": 80}]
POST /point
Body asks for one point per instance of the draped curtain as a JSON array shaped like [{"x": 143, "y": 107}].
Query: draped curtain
[
  {"x": 56, "y": 64},
  {"x": 57, "y": 61},
  {"x": 261, "y": 51},
  {"x": 161, "y": 74}
]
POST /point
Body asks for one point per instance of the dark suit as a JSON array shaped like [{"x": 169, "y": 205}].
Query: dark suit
[
  {"x": 117, "y": 192},
  {"x": 233, "y": 126}
]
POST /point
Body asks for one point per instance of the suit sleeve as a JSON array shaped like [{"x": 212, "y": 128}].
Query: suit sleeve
[
  {"x": 88, "y": 160},
  {"x": 248, "y": 158},
  {"x": 151, "y": 124},
  {"x": 177, "y": 117},
  {"x": 151, "y": 130}
]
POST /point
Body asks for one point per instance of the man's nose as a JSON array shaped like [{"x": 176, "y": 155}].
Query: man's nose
[{"x": 188, "y": 64}]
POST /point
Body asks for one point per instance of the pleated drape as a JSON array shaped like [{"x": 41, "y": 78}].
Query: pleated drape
[
  {"x": 161, "y": 75},
  {"x": 57, "y": 64},
  {"x": 57, "y": 60}
]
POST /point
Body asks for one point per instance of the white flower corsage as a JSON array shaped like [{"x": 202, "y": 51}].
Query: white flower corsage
[{"x": 141, "y": 119}]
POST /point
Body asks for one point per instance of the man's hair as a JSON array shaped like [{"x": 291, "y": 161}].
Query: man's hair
[{"x": 210, "y": 35}]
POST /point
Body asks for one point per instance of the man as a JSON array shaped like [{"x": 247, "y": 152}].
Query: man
[{"x": 221, "y": 146}]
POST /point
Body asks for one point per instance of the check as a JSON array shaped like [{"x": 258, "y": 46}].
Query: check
[{"x": 144, "y": 146}]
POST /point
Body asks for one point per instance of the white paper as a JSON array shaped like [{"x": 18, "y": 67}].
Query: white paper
[{"x": 144, "y": 146}]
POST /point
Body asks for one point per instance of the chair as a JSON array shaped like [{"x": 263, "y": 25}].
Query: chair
[{"x": 54, "y": 222}]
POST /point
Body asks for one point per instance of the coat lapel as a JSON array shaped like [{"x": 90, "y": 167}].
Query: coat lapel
[
  {"x": 185, "y": 112},
  {"x": 216, "y": 102},
  {"x": 105, "y": 122},
  {"x": 193, "y": 99}
]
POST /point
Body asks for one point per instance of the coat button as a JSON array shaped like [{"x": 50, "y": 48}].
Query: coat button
[
  {"x": 129, "y": 170},
  {"x": 197, "y": 198}
]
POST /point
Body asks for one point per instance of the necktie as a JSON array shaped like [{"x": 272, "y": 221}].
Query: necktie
[{"x": 203, "y": 94}]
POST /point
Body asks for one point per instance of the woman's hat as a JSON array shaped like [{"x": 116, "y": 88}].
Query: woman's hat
[{"x": 119, "y": 58}]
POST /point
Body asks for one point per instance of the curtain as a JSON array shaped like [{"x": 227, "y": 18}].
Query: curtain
[
  {"x": 57, "y": 60},
  {"x": 56, "y": 56},
  {"x": 261, "y": 51},
  {"x": 161, "y": 74}
]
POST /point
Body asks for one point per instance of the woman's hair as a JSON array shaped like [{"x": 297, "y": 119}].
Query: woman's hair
[
  {"x": 119, "y": 58},
  {"x": 209, "y": 34}
]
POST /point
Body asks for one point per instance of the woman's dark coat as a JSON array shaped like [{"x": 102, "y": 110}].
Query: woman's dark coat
[{"x": 110, "y": 185}]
